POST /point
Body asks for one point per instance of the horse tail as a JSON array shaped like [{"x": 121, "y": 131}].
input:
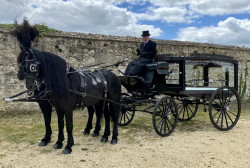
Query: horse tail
[
  {"x": 114, "y": 92},
  {"x": 114, "y": 82}
]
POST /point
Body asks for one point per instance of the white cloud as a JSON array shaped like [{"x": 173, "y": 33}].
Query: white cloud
[
  {"x": 231, "y": 31},
  {"x": 185, "y": 11},
  {"x": 165, "y": 14},
  {"x": 9, "y": 10},
  {"x": 107, "y": 17},
  {"x": 219, "y": 7},
  {"x": 88, "y": 16}
]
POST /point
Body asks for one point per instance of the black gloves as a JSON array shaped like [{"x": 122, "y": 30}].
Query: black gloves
[
  {"x": 138, "y": 51},
  {"x": 144, "y": 53}
]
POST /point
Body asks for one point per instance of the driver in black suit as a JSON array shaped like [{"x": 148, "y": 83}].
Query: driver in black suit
[{"x": 146, "y": 54}]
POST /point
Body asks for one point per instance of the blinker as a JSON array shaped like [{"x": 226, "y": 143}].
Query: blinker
[{"x": 33, "y": 68}]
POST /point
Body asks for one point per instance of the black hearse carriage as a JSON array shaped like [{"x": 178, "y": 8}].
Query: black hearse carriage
[
  {"x": 175, "y": 86},
  {"x": 171, "y": 89}
]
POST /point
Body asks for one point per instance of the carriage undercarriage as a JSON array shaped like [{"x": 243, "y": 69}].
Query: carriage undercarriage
[{"x": 223, "y": 108}]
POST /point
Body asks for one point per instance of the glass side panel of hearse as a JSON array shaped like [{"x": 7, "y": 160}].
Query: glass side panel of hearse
[
  {"x": 172, "y": 82},
  {"x": 208, "y": 75}
]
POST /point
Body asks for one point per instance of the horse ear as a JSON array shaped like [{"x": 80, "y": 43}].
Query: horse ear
[
  {"x": 16, "y": 31},
  {"x": 33, "y": 33}
]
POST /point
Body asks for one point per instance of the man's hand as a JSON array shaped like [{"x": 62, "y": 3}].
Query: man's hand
[{"x": 138, "y": 51}]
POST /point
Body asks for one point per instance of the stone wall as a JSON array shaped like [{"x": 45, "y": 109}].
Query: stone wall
[{"x": 86, "y": 49}]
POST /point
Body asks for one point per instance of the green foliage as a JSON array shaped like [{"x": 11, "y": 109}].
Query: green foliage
[
  {"x": 43, "y": 28},
  {"x": 134, "y": 56},
  {"x": 9, "y": 26}
]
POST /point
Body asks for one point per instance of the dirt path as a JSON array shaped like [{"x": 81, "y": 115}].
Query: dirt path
[{"x": 201, "y": 146}]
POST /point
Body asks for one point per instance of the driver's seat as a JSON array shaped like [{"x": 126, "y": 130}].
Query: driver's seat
[{"x": 148, "y": 73}]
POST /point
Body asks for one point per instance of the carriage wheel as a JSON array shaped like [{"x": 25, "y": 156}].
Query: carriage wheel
[
  {"x": 187, "y": 108},
  {"x": 224, "y": 108},
  {"x": 126, "y": 114},
  {"x": 165, "y": 116}
]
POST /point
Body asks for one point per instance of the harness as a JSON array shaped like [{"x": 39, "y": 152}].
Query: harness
[
  {"x": 30, "y": 69},
  {"x": 96, "y": 78}
]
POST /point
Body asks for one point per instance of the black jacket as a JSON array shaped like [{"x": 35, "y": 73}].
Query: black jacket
[{"x": 148, "y": 51}]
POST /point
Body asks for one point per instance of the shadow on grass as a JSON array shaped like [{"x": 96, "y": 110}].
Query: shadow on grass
[
  {"x": 142, "y": 125},
  {"x": 194, "y": 125}
]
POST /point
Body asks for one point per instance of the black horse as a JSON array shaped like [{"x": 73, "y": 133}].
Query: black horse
[
  {"x": 91, "y": 111},
  {"x": 49, "y": 76}
]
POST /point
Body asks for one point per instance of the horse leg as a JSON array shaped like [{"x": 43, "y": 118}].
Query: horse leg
[
  {"x": 69, "y": 127},
  {"x": 46, "y": 110},
  {"x": 114, "y": 109},
  {"x": 107, "y": 124},
  {"x": 114, "y": 112},
  {"x": 98, "y": 113},
  {"x": 91, "y": 111},
  {"x": 60, "y": 117}
]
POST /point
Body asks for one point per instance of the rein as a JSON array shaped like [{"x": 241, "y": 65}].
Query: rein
[{"x": 27, "y": 99}]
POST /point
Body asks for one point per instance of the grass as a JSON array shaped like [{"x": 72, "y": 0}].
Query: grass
[
  {"x": 2, "y": 155},
  {"x": 28, "y": 126},
  {"x": 245, "y": 108}
]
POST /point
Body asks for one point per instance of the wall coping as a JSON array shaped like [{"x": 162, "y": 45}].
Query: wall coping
[{"x": 100, "y": 37}]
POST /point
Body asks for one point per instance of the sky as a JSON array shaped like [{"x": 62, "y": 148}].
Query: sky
[{"x": 225, "y": 22}]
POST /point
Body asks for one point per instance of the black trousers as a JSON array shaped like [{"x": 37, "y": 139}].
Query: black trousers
[{"x": 134, "y": 68}]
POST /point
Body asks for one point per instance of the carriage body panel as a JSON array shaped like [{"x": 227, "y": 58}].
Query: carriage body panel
[{"x": 197, "y": 76}]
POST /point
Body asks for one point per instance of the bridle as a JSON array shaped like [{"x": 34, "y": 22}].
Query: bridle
[{"x": 30, "y": 67}]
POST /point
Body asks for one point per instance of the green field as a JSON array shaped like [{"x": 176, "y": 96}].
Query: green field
[{"x": 28, "y": 126}]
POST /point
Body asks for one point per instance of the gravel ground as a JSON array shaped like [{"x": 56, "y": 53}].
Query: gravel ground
[{"x": 201, "y": 146}]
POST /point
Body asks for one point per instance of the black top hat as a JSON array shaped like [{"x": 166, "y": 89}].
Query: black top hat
[{"x": 145, "y": 33}]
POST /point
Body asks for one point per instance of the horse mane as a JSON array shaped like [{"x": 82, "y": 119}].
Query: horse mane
[{"x": 53, "y": 71}]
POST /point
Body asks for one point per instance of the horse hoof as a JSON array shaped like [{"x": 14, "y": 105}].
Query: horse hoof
[
  {"x": 44, "y": 143},
  {"x": 95, "y": 135},
  {"x": 104, "y": 139},
  {"x": 85, "y": 132},
  {"x": 67, "y": 150},
  {"x": 58, "y": 146},
  {"x": 113, "y": 141}
]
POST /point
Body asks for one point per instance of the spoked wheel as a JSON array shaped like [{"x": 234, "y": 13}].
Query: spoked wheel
[
  {"x": 187, "y": 108},
  {"x": 165, "y": 116},
  {"x": 224, "y": 108},
  {"x": 126, "y": 114}
]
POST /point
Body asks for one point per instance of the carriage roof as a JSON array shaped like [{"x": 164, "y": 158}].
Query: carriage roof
[{"x": 197, "y": 57}]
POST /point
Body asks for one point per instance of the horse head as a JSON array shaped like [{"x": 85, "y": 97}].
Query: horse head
[
  {"x": 29, "y": 66},
  {"x": 29, "y": 69}
]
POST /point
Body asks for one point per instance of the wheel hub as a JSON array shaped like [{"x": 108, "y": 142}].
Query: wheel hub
[
  {"x": 227, "y": 109},
  {"x": 167, "y": 116}
]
